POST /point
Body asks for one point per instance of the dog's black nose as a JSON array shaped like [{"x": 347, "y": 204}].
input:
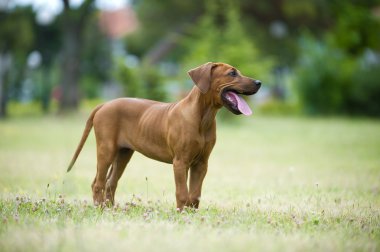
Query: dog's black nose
[{"x": 257, "y": 82}]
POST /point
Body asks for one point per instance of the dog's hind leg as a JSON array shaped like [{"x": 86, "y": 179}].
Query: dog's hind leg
[
  {"x": 120, "y": 162},
  {"x": 105, "y": 155}
]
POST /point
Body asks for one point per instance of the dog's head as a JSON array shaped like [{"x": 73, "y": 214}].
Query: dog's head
[{"x": 225, "y": 84}]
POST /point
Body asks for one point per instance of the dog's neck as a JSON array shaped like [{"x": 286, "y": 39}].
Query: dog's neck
[{"x": 204, "y": 106}]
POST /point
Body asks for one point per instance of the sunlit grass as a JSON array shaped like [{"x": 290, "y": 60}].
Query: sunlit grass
[{"x": 274, "y": 183}]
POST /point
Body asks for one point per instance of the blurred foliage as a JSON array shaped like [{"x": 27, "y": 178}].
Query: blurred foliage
[
  {"x": 356, "y": 28},
  {"x": 228, "y": 42},
  {"x": 140, "y": 81},
  {"x": 153, "y": 83},
  {"x": 323, "y": 77},
  {"x": 92, "y": 61},
  {"x": 159, "y": 18},
  {"x": 14, "y": 48},
  {"x": 330, "y": 48},
  {"x": 47, "y": 73},
  {"x": 364, "y": 96},
  {"x": 96, "y": 65},
  {"x": 330, "y": 81},
  {"x": 334, "y": 74},
  {"x": 20, "y": 20},
  {"x": 278, "y": 107},
  {"x": 74, "y": 23},
  {"x": 128, "y": 78}
]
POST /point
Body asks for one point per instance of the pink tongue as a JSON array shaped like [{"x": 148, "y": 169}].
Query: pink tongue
[{"x": 241, "y": 104}]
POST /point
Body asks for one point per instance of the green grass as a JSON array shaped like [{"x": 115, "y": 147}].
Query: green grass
[{"x": 274, "y": 184}]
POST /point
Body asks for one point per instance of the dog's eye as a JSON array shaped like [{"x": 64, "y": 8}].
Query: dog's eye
[{"x": 233, "y": 73}]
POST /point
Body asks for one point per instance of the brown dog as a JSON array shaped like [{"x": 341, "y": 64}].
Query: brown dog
[{"x": 181, "y": 133}]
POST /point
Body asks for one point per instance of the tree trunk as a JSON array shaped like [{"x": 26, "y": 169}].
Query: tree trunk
[
  {"x": 70, "y": 69},
  {"x": 5, "y": 60},
  {"x": 3, "y": 111},
  {"x": 73, "y": 25},
  {"x": 46, "y": 91},
  {"x": 3, "y": 98}
]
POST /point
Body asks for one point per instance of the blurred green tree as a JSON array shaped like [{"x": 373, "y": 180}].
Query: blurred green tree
[
  {"x": 220, "y": 37},
  {"x": 16, "y": 33},
  {"x": 96, "y": 63},
  {"x": 355, "y": 28},
  {"x": 47, "y": 43}
]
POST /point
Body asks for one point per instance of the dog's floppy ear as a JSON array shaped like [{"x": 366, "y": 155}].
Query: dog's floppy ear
[{"x": 201, "y": 76}]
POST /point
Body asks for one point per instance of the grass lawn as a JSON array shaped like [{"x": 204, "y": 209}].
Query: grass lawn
[{"x": 274, "y": 184}]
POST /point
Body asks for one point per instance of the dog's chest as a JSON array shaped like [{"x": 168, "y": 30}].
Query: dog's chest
[{"x": 205, "y": 141}]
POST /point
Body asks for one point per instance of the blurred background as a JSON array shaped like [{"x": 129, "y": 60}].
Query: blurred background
[{"x": 315, "y": 57}]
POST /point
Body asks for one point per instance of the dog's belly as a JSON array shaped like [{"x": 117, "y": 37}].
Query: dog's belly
[
  {"x": 148, "y": 134},
  {"x": 159, "y": 156},
  {"x": 147, "y": 145}
]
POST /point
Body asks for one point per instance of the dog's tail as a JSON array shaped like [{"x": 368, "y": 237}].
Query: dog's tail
[{"x": 86, "y": 131}]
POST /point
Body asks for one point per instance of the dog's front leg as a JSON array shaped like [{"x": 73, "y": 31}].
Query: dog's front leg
[
  {"x": 197, "y": 174},
  {"x": 180, "y": 176}
]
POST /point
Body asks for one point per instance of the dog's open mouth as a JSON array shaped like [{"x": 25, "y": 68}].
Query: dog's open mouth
[{"x": 235, "y": 103}]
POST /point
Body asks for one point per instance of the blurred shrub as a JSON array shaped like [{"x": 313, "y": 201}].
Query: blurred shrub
[
  {"x": 90, "y": 86},
  {"x": 364, "y": 96},
  {"x": 322, "y": 78},
  {"x": 87, "y": 105},
  {"x": 127, "y": 77},
  {"x": 279, "y": 107},
  {"x": 329, "y": 81},
  {"x": 29, "y": 109},
  {"x": 141, "y": 81},
  {"x": 153, "y": 83}
]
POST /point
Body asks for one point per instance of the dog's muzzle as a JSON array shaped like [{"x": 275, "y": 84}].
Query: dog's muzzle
[{"x": 235, "y": 103}]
